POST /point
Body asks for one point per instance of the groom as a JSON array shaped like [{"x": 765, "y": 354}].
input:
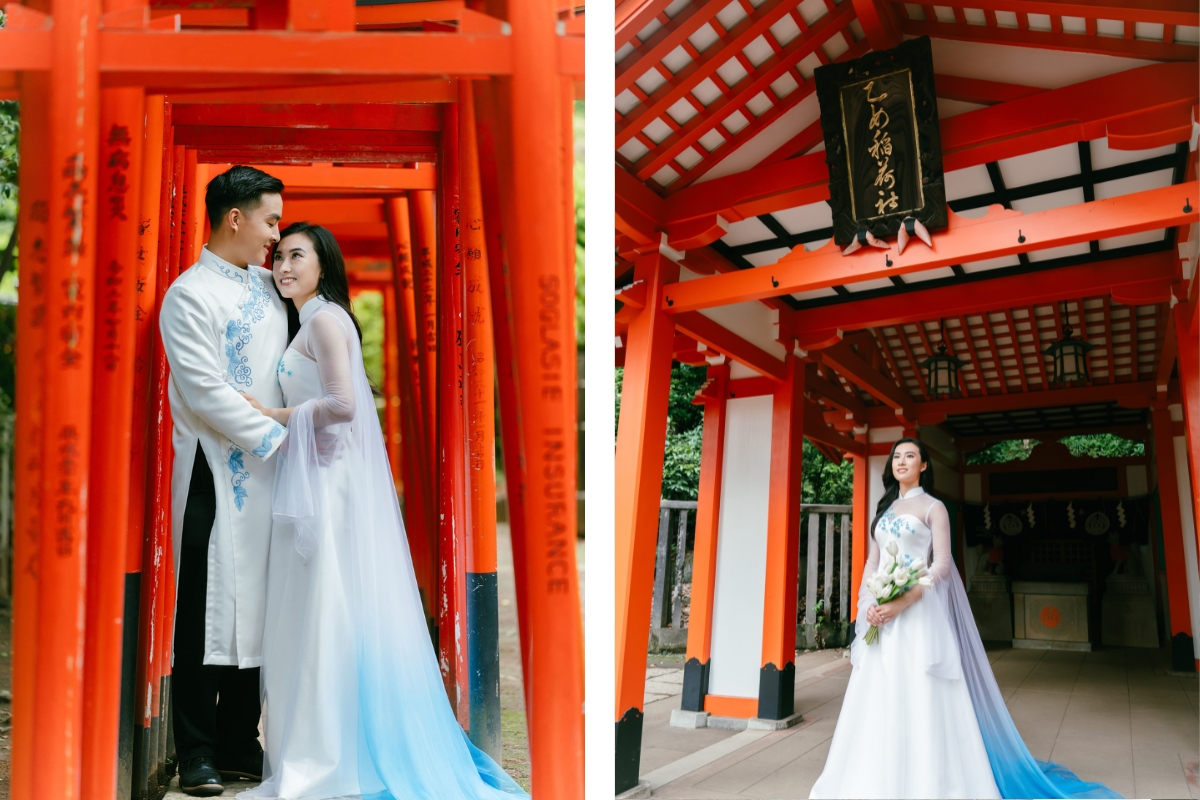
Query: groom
[{"x": 224, "y": 330}]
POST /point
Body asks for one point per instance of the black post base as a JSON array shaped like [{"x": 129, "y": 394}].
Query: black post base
[
  {"x": 1183, "y": 656},
  {"x": 483, "y": 662},
  {"x": 629, "y": 749},
  {"x": 695, "y": 684},
  {"x": 128, "y": 719},
  {"x": 776, "y": 688}
]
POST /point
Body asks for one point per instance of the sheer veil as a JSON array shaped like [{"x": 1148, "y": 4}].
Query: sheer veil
[
  {"x": 410, "y": 745},
  {"x": 1016, "y": 771}
]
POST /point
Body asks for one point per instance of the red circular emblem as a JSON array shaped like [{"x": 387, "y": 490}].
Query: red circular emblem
[{"x": 1051, "y": 617}]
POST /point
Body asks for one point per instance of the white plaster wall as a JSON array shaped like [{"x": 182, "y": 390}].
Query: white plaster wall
[
  {"x": 752, "y": 321},
  {"x": 741, "y": 549},
  {"x": 1183, "y": 478}
]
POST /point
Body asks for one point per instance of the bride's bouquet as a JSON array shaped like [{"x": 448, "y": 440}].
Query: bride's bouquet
[{"x": 896, "y": 575}]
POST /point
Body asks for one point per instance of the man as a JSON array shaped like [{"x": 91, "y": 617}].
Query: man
[{"x": 224, "y": 330}]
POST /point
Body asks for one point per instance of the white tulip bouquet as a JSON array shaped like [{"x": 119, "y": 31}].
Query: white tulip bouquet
[{"x": 895, "y": 576}]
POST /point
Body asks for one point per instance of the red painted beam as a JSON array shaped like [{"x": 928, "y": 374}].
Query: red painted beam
[
  {"x": 1168, "y": 12},
  {"x": 341, "y": 116},
  {"x": 638, "y": 211},
  {"x": 729, "y": 46},
  {"x": 853, "y": 368},
  {"x": 331, "y": 212},
  {"x": 816, "y": 430},
  {"x": 721, "y": 108},
  {"x": 25, "y": 49},
  {"x": 375, "y": 180},
  {"x": 965, "y": 240},
  {"x": 135, "y": 55},
  {"x": 671, "y": 35},
  {"x": 1075, "y": 113},
  {"x": 932, "y": 412},
  {"x": 324, "y": 89},
  {"x": 974, "y": 90},
  {"x": 634, "y": 15},
  {"x": 1053, "y": 285},
  {"x": 721, "y": 339},
  {"x": 1048, "y": 40},
  {"x": 213, "y": 137}
]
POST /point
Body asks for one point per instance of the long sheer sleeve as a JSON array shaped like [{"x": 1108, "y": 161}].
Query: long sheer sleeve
[
  {"x": 943, "y": 560},
  {"x": 326, "y": 341},
  {"x": 865, "y": 599}
]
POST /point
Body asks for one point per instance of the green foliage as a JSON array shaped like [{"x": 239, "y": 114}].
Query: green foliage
[
  {"x": 1003, "y": 452},
  {"x": 1103, "y": 445},
  {"x": 10, "y": 128},
  {"x": 682, "y": 415},
  {"x": 618, "y": 381},
  {"x": 681, "y": 464},
  {"x": 1098, "y": 445},
  {"x": 823, "y": 481},
  {"x": 368, "y": 307}
]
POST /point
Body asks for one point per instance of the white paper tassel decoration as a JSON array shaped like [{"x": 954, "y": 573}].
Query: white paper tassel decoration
[
  {"x": 1070, "y": 515},
  {"x": 1029, "y": 513},
  {"x": 987, "y": 516},
  {"x": 1120, "y": 514}
]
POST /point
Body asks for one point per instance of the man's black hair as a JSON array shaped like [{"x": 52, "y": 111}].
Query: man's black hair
[{"x": 238, "y": 187}]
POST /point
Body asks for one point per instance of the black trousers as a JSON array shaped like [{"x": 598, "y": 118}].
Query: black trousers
[{"x": 216, "y": 708}]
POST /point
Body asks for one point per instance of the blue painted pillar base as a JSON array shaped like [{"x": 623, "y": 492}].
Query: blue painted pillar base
[{"x": 483, "y": 662}]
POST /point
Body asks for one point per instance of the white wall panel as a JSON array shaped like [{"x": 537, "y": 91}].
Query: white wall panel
[{"x": 741, "y": 549}]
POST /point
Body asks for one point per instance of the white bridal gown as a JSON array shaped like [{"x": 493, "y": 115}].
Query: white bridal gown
[
  {"x": 354, "y": 704},
  {"x": 907, "y": 727}
]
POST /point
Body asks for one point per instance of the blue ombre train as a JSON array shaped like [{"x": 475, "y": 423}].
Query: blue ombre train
[{"x": 1016, "y": 771}]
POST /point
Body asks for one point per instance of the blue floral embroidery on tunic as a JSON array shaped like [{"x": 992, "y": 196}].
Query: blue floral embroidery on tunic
[
  {"x": 264, "y": 448},
  {"x": 896, "y": 525},
  {"x": 237, "y": 331},
  {"x": 236, "y": 274},
  {"x": 240, "y": 475}
]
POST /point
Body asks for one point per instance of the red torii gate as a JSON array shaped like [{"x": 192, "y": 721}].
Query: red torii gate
[{"x": 438, "y": 113}]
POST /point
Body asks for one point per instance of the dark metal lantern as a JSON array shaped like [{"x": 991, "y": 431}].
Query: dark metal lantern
[
  {"x": 941, "y": 373},
  {"x": 1070, "y": 359}
]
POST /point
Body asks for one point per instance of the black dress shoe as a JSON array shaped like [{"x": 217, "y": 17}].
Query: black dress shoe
[
  {"x": 198, "y": 776},
  {"x": 244, "y": 767}
]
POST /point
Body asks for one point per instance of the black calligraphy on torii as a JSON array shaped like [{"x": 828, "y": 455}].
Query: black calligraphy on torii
[{"x": 881, "y": 151}]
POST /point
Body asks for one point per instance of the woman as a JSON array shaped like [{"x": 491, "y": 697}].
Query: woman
[
  {"x": 354, "y": 701},
  {"x": 922, "y": 715}
]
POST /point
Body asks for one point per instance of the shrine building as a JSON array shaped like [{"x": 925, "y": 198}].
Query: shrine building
[{"x": 1039, "y": 159}]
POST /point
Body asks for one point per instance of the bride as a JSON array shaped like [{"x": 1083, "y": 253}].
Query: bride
[
  {"x": 924, "y": 690},
  {"x": 355, "y": 704}
]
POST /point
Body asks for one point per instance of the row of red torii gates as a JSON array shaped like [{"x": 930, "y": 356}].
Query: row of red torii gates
[{"x": 402, "y": 128}]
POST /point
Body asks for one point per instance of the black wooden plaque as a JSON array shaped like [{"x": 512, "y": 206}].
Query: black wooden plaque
[{"x": 879, "y": 116}]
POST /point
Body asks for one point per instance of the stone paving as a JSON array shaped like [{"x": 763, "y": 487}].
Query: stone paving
[{"x": 1113, "y": 715}]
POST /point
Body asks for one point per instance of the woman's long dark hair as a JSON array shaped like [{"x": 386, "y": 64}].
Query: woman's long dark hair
[
  {"x": 891, "y": 486},
  {"x": 333, "y": 285}
]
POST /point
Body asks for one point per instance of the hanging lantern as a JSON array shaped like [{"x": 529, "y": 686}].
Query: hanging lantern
[
  {"x": 1070, "y": 358},
  {"x": 941, "y": 372}
]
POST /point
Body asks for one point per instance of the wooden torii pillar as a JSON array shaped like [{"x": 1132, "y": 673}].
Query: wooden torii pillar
[{"x": 59, "y": 174}]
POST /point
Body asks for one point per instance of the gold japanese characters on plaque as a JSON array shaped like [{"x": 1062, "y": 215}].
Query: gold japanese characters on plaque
[{"x": 879, "y": 118}]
